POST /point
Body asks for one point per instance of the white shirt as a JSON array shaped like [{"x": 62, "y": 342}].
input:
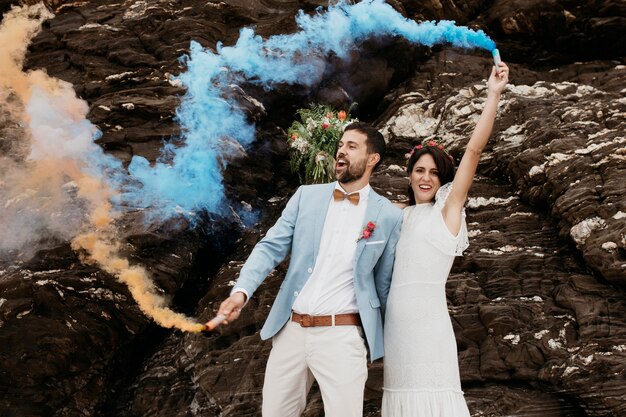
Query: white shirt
[{"x": 330, "y": 288}]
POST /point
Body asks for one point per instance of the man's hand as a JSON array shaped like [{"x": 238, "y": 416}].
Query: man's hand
[{"x": 231, "y": 307}]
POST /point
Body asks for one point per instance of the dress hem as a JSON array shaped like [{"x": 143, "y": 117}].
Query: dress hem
[
  {"x": 424, "y": 403},
  {"x": 456, "y": 391}
]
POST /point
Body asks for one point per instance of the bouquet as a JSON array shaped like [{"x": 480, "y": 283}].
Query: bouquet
[{"x": 313, "y": 142}]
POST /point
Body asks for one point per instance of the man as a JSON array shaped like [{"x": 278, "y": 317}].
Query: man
[{"x": 342, "y": 237}]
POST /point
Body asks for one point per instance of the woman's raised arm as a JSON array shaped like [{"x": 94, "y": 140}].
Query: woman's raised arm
[{"x": 467, "y": 168}]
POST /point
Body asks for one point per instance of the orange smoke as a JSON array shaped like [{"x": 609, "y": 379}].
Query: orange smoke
[
  {"x": 59, "y": 170},
  {"x": 143, "y": 290}
]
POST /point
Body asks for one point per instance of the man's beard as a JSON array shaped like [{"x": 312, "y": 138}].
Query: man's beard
[{"x": 353, "y": 173}]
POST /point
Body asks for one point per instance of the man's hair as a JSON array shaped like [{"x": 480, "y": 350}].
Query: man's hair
[{"x": 375, "y": 140}]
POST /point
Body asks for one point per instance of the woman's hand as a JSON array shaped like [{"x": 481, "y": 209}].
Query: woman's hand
[{"x": 498, "y": 80}]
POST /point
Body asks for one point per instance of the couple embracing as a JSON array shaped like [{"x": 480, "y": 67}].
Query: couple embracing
[{"x": 365, "y": 275}]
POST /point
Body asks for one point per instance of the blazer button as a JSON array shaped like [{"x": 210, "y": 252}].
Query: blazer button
[
  {"x": 310, "y": 270},
  {"x": 295, "y": 293}
]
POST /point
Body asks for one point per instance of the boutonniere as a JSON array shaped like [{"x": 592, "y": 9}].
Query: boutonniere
[{"x": 367, "y": 232}]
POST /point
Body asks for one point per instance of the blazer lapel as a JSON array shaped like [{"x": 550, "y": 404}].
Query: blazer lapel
[
  {"x": 324, "y": 201},
  {"x": 374, "y": 206}
]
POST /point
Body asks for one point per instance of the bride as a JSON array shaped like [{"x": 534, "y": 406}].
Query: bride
[{"x": 421, "y": 371}]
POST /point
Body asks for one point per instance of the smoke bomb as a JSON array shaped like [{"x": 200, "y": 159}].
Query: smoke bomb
[{"x": 496, "y": 59}]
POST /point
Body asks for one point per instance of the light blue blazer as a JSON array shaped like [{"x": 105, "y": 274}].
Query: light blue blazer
[{"x": 299, "y": 231}]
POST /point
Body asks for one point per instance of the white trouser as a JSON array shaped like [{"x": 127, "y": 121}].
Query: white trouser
[{"x": 335, "y": 357}]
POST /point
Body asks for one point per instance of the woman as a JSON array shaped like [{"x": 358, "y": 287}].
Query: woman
[{"x": 420, "y": 364}]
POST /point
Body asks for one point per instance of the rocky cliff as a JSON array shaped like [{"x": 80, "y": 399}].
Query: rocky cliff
[{"x": 537, "y": 301}]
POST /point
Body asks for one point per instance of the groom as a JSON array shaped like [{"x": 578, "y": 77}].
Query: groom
[{"x": 342, "y": 238}]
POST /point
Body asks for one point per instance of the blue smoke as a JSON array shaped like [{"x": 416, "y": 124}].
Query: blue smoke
[{"x": 188, "y": 178}]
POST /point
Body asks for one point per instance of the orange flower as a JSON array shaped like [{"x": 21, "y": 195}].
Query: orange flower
[{"x": 341, "y": 115}]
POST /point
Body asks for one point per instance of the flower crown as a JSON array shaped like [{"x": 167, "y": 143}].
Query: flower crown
[{"x": 433, "y": 144}]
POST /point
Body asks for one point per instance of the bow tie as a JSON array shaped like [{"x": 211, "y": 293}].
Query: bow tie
[{"x": 339, "y": 195}]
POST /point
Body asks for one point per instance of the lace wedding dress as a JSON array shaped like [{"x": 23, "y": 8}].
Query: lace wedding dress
[{"x": 420, "y": 364}]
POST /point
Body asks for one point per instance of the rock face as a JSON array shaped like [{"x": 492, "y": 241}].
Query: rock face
[{"x": 537, "y": 302}]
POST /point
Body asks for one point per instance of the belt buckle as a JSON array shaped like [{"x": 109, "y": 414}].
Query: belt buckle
[{"x": 306, "y": 321}]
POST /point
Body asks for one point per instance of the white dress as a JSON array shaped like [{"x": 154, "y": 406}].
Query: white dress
[{"x": 420, "y": 364}]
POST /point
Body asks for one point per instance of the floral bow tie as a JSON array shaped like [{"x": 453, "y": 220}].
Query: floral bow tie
[{"x": 339, "y": 195}]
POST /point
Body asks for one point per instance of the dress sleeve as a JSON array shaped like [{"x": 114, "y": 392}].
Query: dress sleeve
[{"x": 440, "y": 236}]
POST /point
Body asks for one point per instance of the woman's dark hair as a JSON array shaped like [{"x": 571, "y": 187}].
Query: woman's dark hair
[{"x": 445, "y": 166}]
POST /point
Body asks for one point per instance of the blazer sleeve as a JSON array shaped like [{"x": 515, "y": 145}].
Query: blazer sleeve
[
  {"x": 272, "y": 249},
  {"x": 384, "y": 267}
]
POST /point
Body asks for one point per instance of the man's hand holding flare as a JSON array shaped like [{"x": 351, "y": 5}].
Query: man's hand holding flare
[{"x": 229, "y": 310}]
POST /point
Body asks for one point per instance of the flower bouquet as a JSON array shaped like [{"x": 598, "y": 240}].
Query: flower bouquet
[{"x": 313, "y": 142}]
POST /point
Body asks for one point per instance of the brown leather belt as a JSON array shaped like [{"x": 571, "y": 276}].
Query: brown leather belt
[{"x": 305, "y": 320}]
